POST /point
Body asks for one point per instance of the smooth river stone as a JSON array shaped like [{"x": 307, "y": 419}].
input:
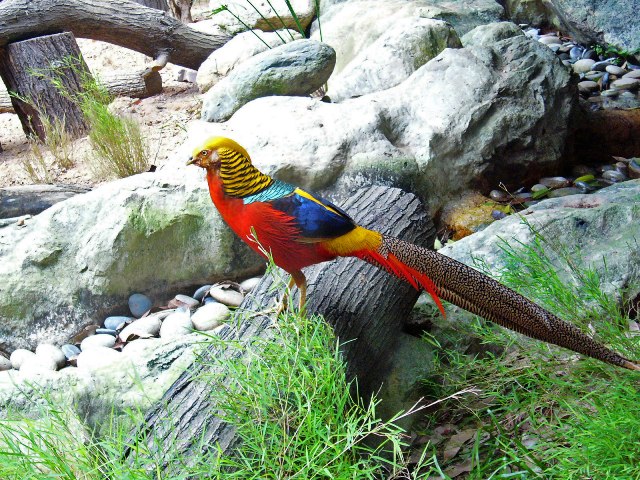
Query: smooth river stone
[
  {"x": 70, "y": 351},
  {"x": 139, "y": 304},
  {"x": 46, "y": 350},
  {"x": 616, "y": 70},
  {"x": 583, "y": 66},
  {"x": 250, "y": 283},
  {"x": 210, "y": 316},
  {"x": 97, "y": 341},
  {"x": 98, "y": 357},
  {"x": 201, "y": 292},
  {"x": 144, "y": 328},
  {"x": 19, "y": 356},
  {"x": 5, "y": 363},
  {"x": 190, "y": 302},
  {"x": 226, "y": 295},
  {"x": 626, "y": 84},
  {"x": 177, "y": 324},
  {"x": 117, "y": 322}
]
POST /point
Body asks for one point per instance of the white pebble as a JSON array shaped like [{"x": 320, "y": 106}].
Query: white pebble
[
  {"x": 5, "y": 363},
  {"x": 19, "y": 356},
  {"x": 210, "y": 316},
  {"x": 225, "y": 294},
  {"x": 250, "y": 283},
  {"x": 144, "y": 328},
  {"x": 97, "y": 341},
  {"x": 38, "y": 363},
  {"x": 46, "y": 350},
  {"x": 98, "y": 357},
  {"x": 177, "y": 324}
]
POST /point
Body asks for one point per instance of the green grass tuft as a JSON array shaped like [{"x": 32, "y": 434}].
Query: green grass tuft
[{"x": 545, "y": 412}]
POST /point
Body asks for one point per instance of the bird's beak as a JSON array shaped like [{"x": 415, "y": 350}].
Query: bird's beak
[{"x": 191, "y": 161}]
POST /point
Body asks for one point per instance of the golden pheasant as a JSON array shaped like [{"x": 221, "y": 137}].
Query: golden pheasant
[{"x": 300, "y": 229}]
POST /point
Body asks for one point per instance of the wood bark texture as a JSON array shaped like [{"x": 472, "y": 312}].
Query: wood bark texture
[
  {"x": 43, "y": 55},
  {"x": 157, "y": 4},
  {"x": 181, "y": 9},
  {"x": 122, "y": 22},
  {"x": 136, "y": 84},
  {"x": 365, "y": 306},
  {"x": 33, "y": 199}
]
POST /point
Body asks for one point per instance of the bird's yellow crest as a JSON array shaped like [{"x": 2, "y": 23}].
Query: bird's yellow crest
[{"x": 215, "y": 143}]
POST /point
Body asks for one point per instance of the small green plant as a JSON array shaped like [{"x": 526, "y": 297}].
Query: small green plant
[
  {"x": 117, "y": 142},
  {"x": 272, "y": 26},
  {"x": 544, "y": 413},
  {"x": 57, "y": 143}
]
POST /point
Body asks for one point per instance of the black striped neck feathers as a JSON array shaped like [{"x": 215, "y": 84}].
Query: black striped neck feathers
[
  {"x": 230, "y": 163},
  {"x": 239, "y": 177}
]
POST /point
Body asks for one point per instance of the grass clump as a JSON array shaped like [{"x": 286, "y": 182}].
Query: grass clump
[
  {"x": 545, "y": 412},
  {"x": 119, "y": 149},
  {"x": 287, "y": 397}
]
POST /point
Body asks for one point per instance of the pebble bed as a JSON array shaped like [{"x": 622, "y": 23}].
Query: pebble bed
[
  {"x": 609, "y": 82},
  {"x": 206, "y": 310},
  {"x": 605, "y": 81}
]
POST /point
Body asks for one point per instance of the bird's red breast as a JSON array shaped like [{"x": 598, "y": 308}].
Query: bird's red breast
[{"x": 276, "y": 231}]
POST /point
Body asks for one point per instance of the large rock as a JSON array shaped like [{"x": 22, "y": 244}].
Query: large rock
[
  {"x": 266, "y": 15},
  {"x": 351, "y": 26},
  {"x": 296, "y": 68},
  {"x": 587, "y": 21},
  {"x": 134, "y": 379},
  {"x": 393, "y": 57},
  {"x": 240, "y": 48},
  {"x": 469, "y": 118},
  {"x": 599, "y": 230},
  {"x": 82, "y": 258}
]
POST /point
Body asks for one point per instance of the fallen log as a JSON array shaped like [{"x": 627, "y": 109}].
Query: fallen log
[
  {"x": 122, "y": 22},
  {"x": 33, "y": 199},
  {"x": 365, "y": 306}
]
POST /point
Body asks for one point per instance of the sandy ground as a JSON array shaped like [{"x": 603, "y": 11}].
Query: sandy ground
[{"x": 162, "y": 119}]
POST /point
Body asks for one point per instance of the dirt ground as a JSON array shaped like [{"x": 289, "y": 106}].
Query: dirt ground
[{"x": 162, "y": 119}]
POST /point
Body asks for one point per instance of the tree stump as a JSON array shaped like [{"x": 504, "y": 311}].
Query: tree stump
[
  {"x": 27, "y": 68},
  {"x": 365, "y": 306}
]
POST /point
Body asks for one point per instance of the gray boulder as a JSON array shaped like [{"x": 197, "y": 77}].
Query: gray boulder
[
  {"x": 393, "y": 57},
  {"x": 587, "y": 21},
  {"x": 267, "y": 15},
  {"x": 466, "y": 119},
  {"x": 240, "y": 48},
  {"x": 297, "y": 68},
  {"x": 81, "y": 259},
  {"x": 135, "y": 378},
  {"x": 352, "y": 26},
  {"x": 600, "y": 230}
]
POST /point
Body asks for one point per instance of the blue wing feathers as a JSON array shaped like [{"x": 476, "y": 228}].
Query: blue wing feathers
[{"x": 316, "y": 220}]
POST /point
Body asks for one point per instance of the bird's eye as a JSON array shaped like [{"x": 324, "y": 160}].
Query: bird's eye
[{"x": 204, "y": 153}]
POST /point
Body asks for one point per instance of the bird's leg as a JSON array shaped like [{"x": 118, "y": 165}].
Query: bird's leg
[
  {"x": 298, "y": 279},
  {"x": 282, "y": 306}
]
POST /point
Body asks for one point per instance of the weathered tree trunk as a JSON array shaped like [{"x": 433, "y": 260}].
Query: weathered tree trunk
[
  {"x": 364, "y": 305},
  {"x": 138, "y": 84},
  {"x": 181, "y": 9},
  {"x": 157, "y": 4},
  {"x": 28, "y": 68},
  {"x": 33, "y": 199},
  {"x": 121, "y": 22}
]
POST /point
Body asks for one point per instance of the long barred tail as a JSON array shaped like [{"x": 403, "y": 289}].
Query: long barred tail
[{"x": 465, "y": 287}]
